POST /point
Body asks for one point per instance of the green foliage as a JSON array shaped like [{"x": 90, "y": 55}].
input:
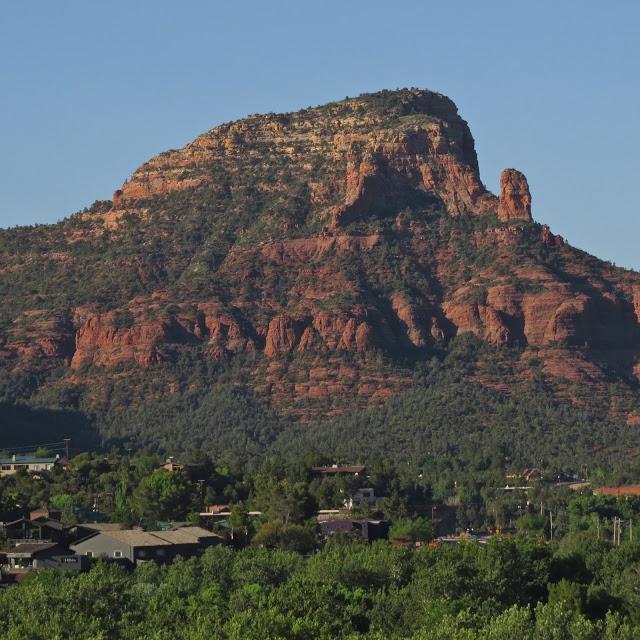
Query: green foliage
[
  {"x": 446, "y": 424},
  {"x": 355, "y": 591},
  {"x": 163, "y": 495},
  {"x": 570, "y": 595},
  {"x": 67, "y": 505},
  {"x": 416, "y": 529},
  {"x": 532, "y": 523},
  {"x": 288, "y": 536}
]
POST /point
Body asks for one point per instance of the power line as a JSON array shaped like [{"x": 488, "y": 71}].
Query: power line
[{"x": 32, "y": 447}]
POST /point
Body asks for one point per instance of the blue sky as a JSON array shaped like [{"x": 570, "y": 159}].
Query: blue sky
[{"x": 92, "y": 89}]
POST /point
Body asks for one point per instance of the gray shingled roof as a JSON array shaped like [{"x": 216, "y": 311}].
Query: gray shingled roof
[
  {"x": 29, "y": 549},
  {"x": 185, "y": 535},
  {"x": 139, "y": 538},
  {"x": 101, "y": 526}
]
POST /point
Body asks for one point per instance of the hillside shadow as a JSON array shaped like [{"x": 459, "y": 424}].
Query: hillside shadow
[{"x": 25, "y": 426}]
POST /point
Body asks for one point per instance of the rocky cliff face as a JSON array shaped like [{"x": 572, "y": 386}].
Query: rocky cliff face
[
  {"x": 320, "y": 247},
  {"x": 380, "y": 157},
  {"x": 515, "y": 199}
]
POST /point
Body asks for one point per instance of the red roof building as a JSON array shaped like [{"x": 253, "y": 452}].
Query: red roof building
[{"x": 622, "y": 490}]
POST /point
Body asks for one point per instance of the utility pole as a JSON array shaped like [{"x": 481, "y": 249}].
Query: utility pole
[
  {"x": 67, "y": 446},
  {"x": 617, "y": 530},
  {"x": 551, "y": 524},
  {"x": 598, "y": 526},
  {"x": 201, "y": 483}
]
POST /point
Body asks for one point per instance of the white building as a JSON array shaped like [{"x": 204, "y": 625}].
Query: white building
[
  {"x": 9, "y": 466},
  {"x": 362, "y": 497}
]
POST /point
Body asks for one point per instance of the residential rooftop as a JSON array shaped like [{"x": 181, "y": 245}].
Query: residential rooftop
[
  {"x": 339, "y": 469},
  {"x": 29, "y": 460},
  {"x": 139, "y": 538},
  {"x": 101, "y": 526},
  {"x": 27, "y": 549},
  {"x": 622, "y": 490}
]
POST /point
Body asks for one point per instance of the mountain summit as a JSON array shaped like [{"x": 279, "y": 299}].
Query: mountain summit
[
  {"x": 314, "y": 259},
  {"x": 380, "y": 150}
]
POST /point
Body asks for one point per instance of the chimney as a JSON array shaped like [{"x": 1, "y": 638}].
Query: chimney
[{"x": 13, "y": 458}]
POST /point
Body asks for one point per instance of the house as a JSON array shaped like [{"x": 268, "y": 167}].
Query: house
[
  {"x": 46, "y": 513},
  {"x": 170, "y": 465},
  {"x": 330, "y": 514},
  {"x": 624, "y": 490},
  {"x": 530, "y": 474},
  {"x": 135, "y": 545},
  {"x": 218, "y": 509},
  {"x": 335, "y": 470},
  {"x": 42, "y": 529},
  {"x": 195, "y": 470},
  {"x": 362, "y": 498},
  {"x": 577, "y": 485},
  {"x": 33, "y": 556},
  {"x": 366, "y": 530},
  {"x": 86, "y": 529},
  {"x": 30, "y": 464}
]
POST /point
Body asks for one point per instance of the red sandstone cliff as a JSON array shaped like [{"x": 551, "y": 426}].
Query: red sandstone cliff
[
  {"x": 515, "y": 199},
  {"x": 350, "y": 230}
]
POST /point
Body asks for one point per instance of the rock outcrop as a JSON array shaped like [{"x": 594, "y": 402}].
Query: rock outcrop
[
  {"x": 131, "y": 336},
  {"x": 283, "y": 335},
  {"x": 402, "y": 167},
  {"x": 636, "y": 301},
  {"x": 100, "y": 342},
  {"x": 515, "y": 198},
  {"x": 550, "y": 239},
  {"x": 379, "y": 162},
  {"x": 323, "y": 332},
  {"x": 39, "y": 336}
]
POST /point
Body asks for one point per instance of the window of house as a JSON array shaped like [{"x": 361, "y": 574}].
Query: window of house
[
  {"x": 161, "y": 553},
  {"x": 6, "y": 467},
  {"x": 117, "y": 554},
  {"x": 89, "y": 554}
]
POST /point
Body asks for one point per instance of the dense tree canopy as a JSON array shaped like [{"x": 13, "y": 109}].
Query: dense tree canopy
[{"x": 503, "y": 591}]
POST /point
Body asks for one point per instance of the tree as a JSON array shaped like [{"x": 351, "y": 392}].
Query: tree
[
  {"x": 531, "y": 523},
  {"x": 122, "y": 512},
  {"x": 556, "y": 621},
  {"x": 240, "y": 523},
  {"x": 570, "y": 594},
  {"x": 283, "y": 500},
  {"x": 163, "y": 495},
  {"x": 67, "y": 505},
  {"x": 416, "y": 529},
  {"x": 290, "y": 537}
]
